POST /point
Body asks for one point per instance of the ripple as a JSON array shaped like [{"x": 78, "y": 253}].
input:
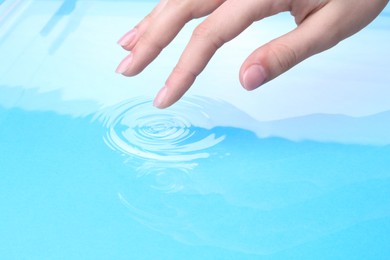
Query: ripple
[{"x": 137, "y": 129}]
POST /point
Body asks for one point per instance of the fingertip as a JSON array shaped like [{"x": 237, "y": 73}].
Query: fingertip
[
  {"x": 124, "y": 65},
  {"x": 160, "y": 100},
  {"x": 253, "y": 77}
]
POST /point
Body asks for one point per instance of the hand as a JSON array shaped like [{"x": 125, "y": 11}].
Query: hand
[{"x": 321, "y": 25}]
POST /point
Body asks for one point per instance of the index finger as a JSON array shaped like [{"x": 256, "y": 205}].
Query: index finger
[{"x": 224, "y": 24}]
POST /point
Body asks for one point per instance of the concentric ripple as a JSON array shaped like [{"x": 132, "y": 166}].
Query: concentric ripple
[{"x": 137, "y": 129}]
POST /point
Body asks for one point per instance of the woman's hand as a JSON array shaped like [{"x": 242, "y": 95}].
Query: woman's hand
[{"x": 321, "y": 25}]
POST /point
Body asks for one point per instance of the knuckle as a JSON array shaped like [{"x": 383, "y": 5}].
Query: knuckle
[
  {"x": 178, "y": 4},
  {"x": 284, "y": 56},
  {"x": 202, "y": 31},
  {"x": 206, "y": 32},
  {"x": 149, "y": 40},
  {"x": 184, "y": 72}
]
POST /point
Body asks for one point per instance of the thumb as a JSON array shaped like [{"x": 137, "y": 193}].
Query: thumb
[
  {"x": 318, "y": 32},
  {"x": 277, "y": 57}
]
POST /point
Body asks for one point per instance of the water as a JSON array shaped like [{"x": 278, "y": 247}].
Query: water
[
  {"x": 63, "y": 186},
  {"x": 90, "y": 170},
  {"x": 244, "y": 193}
]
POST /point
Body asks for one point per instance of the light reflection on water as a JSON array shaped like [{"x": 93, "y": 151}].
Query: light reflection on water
[
  {"x": 227, "y": 187},
  {"x": 163, "y": 143},
  {"x": 140, "y": 130}
]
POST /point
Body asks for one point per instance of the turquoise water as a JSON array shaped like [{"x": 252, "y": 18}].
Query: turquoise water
[{"x": 90, "y": 170}]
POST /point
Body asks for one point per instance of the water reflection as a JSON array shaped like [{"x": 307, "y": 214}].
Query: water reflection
[
  {"x": 156, "y": 142},
  {"x": 67, "y": 7},
  {"x": 252, "y": 195},
  {"x": 268, "y": 195},
  {"x": 137, "y": 129}
]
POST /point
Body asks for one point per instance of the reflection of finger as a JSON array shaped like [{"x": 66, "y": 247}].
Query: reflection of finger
[
  {"x": 319, "y": 32},
  {"x": 225, "y": 23},
  {"x": 159, "y": 30}
]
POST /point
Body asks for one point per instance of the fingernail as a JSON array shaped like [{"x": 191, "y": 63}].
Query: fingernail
[
  {"x": 158, "y": 101},
  {"x": 254, "y": 77},
  {"x": 124, "y": 65},
  {"x": 127, "y": 38}
]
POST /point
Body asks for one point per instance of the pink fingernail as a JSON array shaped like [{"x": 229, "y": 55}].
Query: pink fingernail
[
  {"x": 124, "y": 65},
  {"x": 254, "y": 77},
  {"x": 158, "y": 101},
  {"x": 127, "y": 38}
]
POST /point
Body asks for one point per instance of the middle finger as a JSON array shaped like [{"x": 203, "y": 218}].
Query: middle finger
[{"x": 162, "y": 28}]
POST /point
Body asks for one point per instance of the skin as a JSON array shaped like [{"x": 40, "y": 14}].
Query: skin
[{"x": 321, "y": 24}]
